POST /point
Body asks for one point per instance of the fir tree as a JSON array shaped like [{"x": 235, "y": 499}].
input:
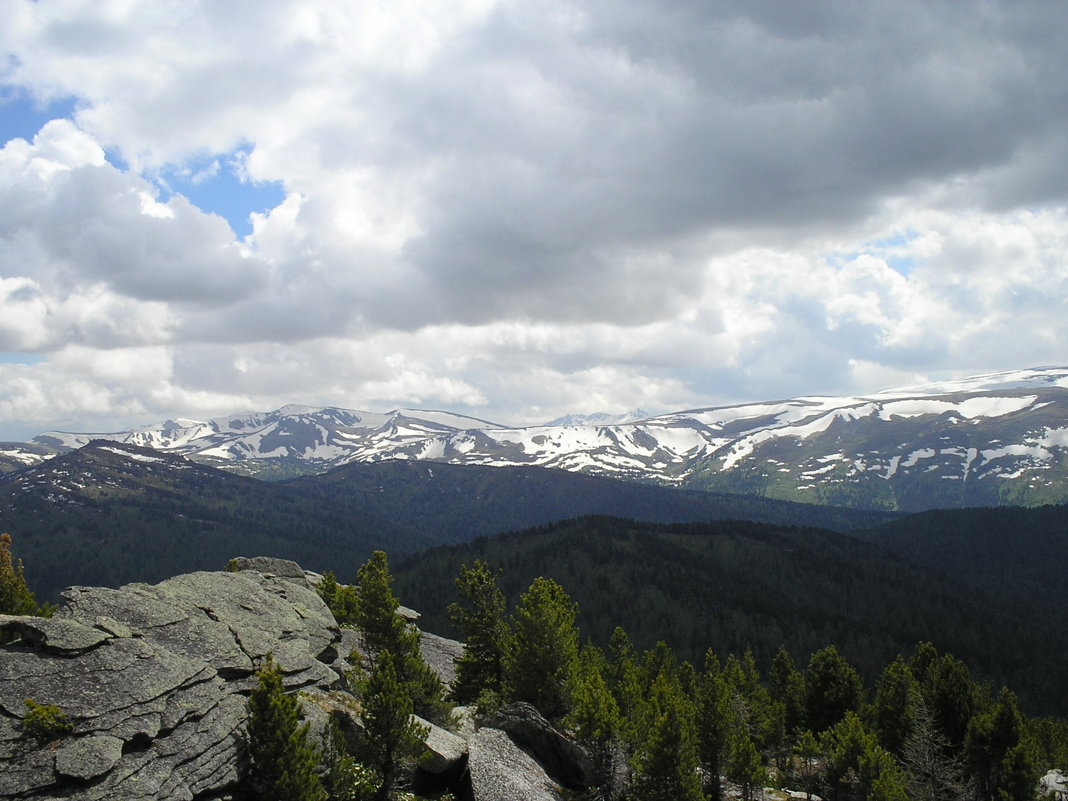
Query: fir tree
[
  {"x": 541, "y": 656},
  {"x": 283, "y": 763},
  {"x": 480, "y": 621},
  {"x": 15, "y": 595}
]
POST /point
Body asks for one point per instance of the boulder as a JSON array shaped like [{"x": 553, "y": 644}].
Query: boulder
[
  {"x": 564, "y": 760},
  {"x": 445, "y": 751},
  {"x": 500, "y": 771},
  {"x": 1054, "y": 785},
  {"x": 154, "y": 680}
]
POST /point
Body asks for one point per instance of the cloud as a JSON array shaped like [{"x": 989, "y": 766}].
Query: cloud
[{"x": 522, "y": 208}]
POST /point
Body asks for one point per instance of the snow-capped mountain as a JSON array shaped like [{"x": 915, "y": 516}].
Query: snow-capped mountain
[{"x": 989, "y": 439}]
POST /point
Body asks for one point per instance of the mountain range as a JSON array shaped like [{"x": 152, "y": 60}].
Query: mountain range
[{"x": 987, "y": 440}]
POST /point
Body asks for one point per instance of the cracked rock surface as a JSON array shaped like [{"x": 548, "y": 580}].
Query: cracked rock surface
[
  {"x": 153, "y": 680},
  {"x": 499, "y": 770}
]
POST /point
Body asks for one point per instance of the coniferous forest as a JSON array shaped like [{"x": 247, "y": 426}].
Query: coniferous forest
[
  {"x": 661, "y": 726},
  {"x": 737, "y": 586}
]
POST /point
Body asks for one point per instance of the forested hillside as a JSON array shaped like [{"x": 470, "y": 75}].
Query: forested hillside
[
  {"x": 1020, "y": 555},
  {"x": 110, "y": 513},
  {"x": 733, "y": 586}
]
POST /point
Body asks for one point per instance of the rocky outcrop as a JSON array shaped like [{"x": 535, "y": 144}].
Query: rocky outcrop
[{"x": 153, "y": 681}]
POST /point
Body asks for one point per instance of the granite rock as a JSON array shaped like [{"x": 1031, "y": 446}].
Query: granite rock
[{"x": 154, "y": 681}]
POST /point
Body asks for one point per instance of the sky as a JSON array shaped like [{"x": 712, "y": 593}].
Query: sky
[{"x": 518, "y": 210}]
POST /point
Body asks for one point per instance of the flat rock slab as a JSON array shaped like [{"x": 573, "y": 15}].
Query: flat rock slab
[
  {"x": 440, "y": 654},
  {"x": 88, "y": 757},
  {"x": 54, "y": 634}
]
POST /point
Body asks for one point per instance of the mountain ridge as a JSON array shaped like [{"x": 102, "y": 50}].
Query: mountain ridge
[{"x": 996, "y": 439}]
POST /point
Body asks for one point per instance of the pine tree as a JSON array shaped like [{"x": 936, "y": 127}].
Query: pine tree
[
  {"x": 390, "y": 734},
  {"x": 714, "y": 724},
  {"x": 787, "y": 688},
  {"x": 15, "y": 595},
  {"x": 832, "y": 688},
  {"x": 745, "y": 768},
  {"x": 283, "y": 763},
  {"x": 895, "y": 700},
  {"x": 665, "y": 767},
  {"x": 376, "y": 609},
  {"x": 752, "y": 701},
  {"x": 480, "y": 621},
  {"x": 857, "y": 766},
  {"x": 809, "y": 762},
  {"x": 340, "y": 598},
  {"x": 542, "y": 654},
  {"x": 594, "y": 719},
  {"x": 952, "y": 697},
  {"x": 624, "y": 680},
  {"x": 375, "y": 614},
  {"x": 997, "y": 754}
]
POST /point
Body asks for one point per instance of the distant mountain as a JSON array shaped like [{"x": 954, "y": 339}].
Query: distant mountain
[
  {"x": 988, "y": 440},
  {"x": 599, "y": 418},
  {"x": 735, "y": 585},
  {"x": 111, "y": 512}
]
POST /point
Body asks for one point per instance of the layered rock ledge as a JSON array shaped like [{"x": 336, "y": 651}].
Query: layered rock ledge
[{"x": 154, "y": 680}]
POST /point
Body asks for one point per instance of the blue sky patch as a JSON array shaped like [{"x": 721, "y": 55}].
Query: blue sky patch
[
  {"x": 883, "y": 249},
  {"x": 14, "y": 357},
  {"x": 21, "y": 117},
  {"x": 215, "y": 184}
]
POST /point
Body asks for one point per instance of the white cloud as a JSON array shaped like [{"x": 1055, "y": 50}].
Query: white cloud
[{"x": 530, "y": 209}]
